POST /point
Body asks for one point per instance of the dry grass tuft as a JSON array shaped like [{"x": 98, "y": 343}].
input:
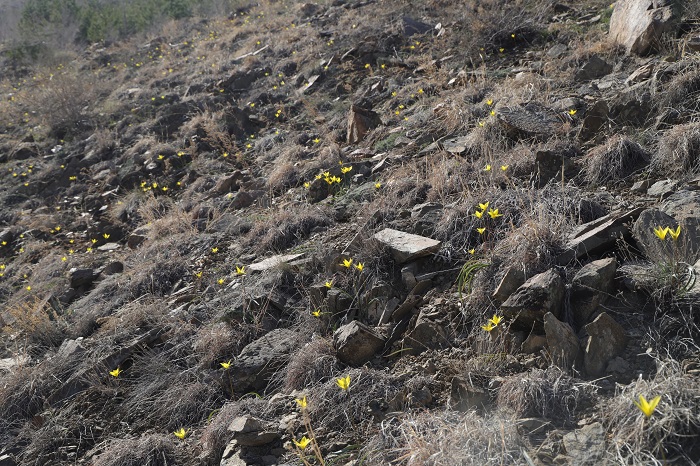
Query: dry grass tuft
[
  {"x": 549, "y": 393},
  {"x": 148, "y": 450},
  {"x": 679, "y": 152},
  {"x": 313, "y": 363},
  {"x": 285, "y": 228},
  {"x": 616, "y": 160},
  {"x": 446, "y": 439},
  {"x": 670, "y": 435}
]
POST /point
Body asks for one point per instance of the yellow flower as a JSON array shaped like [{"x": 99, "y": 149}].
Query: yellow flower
[
  {"x": 317, "y": 140},
  {"x": 492, "y": 113},
  {"x": 115, "y": 372},
  {"x": 345, "y": 169},
  {"x": 226, "y": 364},
  {"x": 301, "y": 402},
  {"x": 214, "y": 250},
  {"x": 484, "y": 206},
  {"x": 316, "y": 313},
  {"x": 478, "y": 214},
  {"x": 487, "y": 168},
  {"x": 488, "y": 327},
  {"x": 493, "y": 213},
  {"x": 328, "y": 284},
  {"x": 198, "y": 274},
  {"x": 161, "y": 156},
  {"x": 481, "y": 123},
  {"x": 181, "y": 433},
  {"x": 501, "y": 50},
  {"x": 481, "y": 230},
  {"x": 346, "y": 263},
  {"x": 366, "y": 65},
  {"x": 647, "y": 407},
  {"x": 377, "y": 185},
  {"x": 504, "y": 167},
  {"x": 496, "y": 319},
  {"x": 318, "y": 177},
  {"x": 240, "y": 270},
  {"x": 93, "y": 240},
  {"x": 343, "y": 382},
  {"x": 674, "y": 233},
  {"x": 472, "y": 251},
  {"x": 225, "y": 154},
  {"x": 64, "y": 258},
  {"x": 360, "y": 266},
  {"x": 303, "y": 443},
  {"x": 661, "y": 232},
  {"x": 326, "y": 174},
  {"x": 572, "y": 112},
  {"x": 307, "y": 185},
  {"x": 220, "y": 281},
  {"x": 489, "y": 102},
  {"x": 105, "y": 235}
]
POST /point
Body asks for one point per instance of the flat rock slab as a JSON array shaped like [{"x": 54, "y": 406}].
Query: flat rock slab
[
  {"x": 404, "y": 246},
  {"x": 274, "y": 261}
]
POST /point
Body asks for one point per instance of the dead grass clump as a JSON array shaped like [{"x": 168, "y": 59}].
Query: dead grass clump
[
  {"x": 681, "y": 92},
  {"x": 148, "y": 450},
  {"x": 670, "y": 435},
  {"x": 615, "y": 160},
  {"x": 310, "y": 365},
  {"x": 37, "y": 322},
  {"x": 446, "y": 439},
  {"x": 549, "y": 393},
  {"x": 285, "y": 228},
  {"x": 679, "y": 152},
  {"x": 215, "y": 344},
  {"x": 335, "y": 410}
]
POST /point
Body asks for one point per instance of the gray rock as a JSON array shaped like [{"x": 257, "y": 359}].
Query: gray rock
[
  {"x": 241, "y": 200},
  {"x": 539, "y": 295},
  {"x": 606, "y": 340},
  {"x": 511, "y": 281},
  {"x": 529, "y": 120},
  {"x": 228, "y": 183},
  {"x": 81, "y": 277},
  {"x": 662, "y": 189},
  {"x": 138, "y": 237},
  {"x": 641, "y": 186},
  {"x": 356, "y": 343},
  {"x": 429, "y": 331},
  {"x": 274, "y": 261},
  {"x": 405, "y": 247},
  {"x": 594, "y": 68},
  {"x": 339, "y": 302},
  {"x": 549, "y": 164},
  {"x": 7, "y": 460},
  {"x": 562, "y": 342},
  {"x": 590, "y": 287},
  {"x": 640, "y": 74},
  {"x": 639, "y": 24},
  {"x": 557, "y": 51},
  {"x": 250, "y": 432},
  {"x": 598, "y": 235},
  {"x": 585, "y": 446},
  {"x": 262, "y": 358}
]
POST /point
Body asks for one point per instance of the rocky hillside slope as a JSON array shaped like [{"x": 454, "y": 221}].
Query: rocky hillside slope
[{"x": 357, "y": 233}]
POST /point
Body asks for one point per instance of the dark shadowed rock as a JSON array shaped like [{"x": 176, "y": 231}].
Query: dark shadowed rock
[
  {"x": 356, "y": 343},
  {"x": 562, "y": 342},
  {"x": 606, "y": 340},
  {"x": 639, "y": 24},
  {"x": 81, "y": 277},
  {"x": 598, "y": 235},
  {"x": 594, "y": 68},
  {"x": 590, "y": 287},
  {"x": 360, "y": 122},
  {"x": 594, "y": 119},
  {"x": 539, "y": 295},
  {"x": 465, "y": 395}
]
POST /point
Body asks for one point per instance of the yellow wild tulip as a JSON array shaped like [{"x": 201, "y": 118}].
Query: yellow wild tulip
[
  {"x": 343, "y": 382},
  {"x": 647, "y": 407}
]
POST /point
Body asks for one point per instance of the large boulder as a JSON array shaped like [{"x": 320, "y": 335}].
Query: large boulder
[
  {"x": 639, "y": 24},
  {"x": 360, "y": 122},
  {"x": 686, "y": 248},
  {"x": 405, "y": 247},
  {"x": 539, "y": 295}
]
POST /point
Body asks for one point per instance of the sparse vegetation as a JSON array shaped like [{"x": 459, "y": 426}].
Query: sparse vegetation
[{"x": 189, "y": 252}]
